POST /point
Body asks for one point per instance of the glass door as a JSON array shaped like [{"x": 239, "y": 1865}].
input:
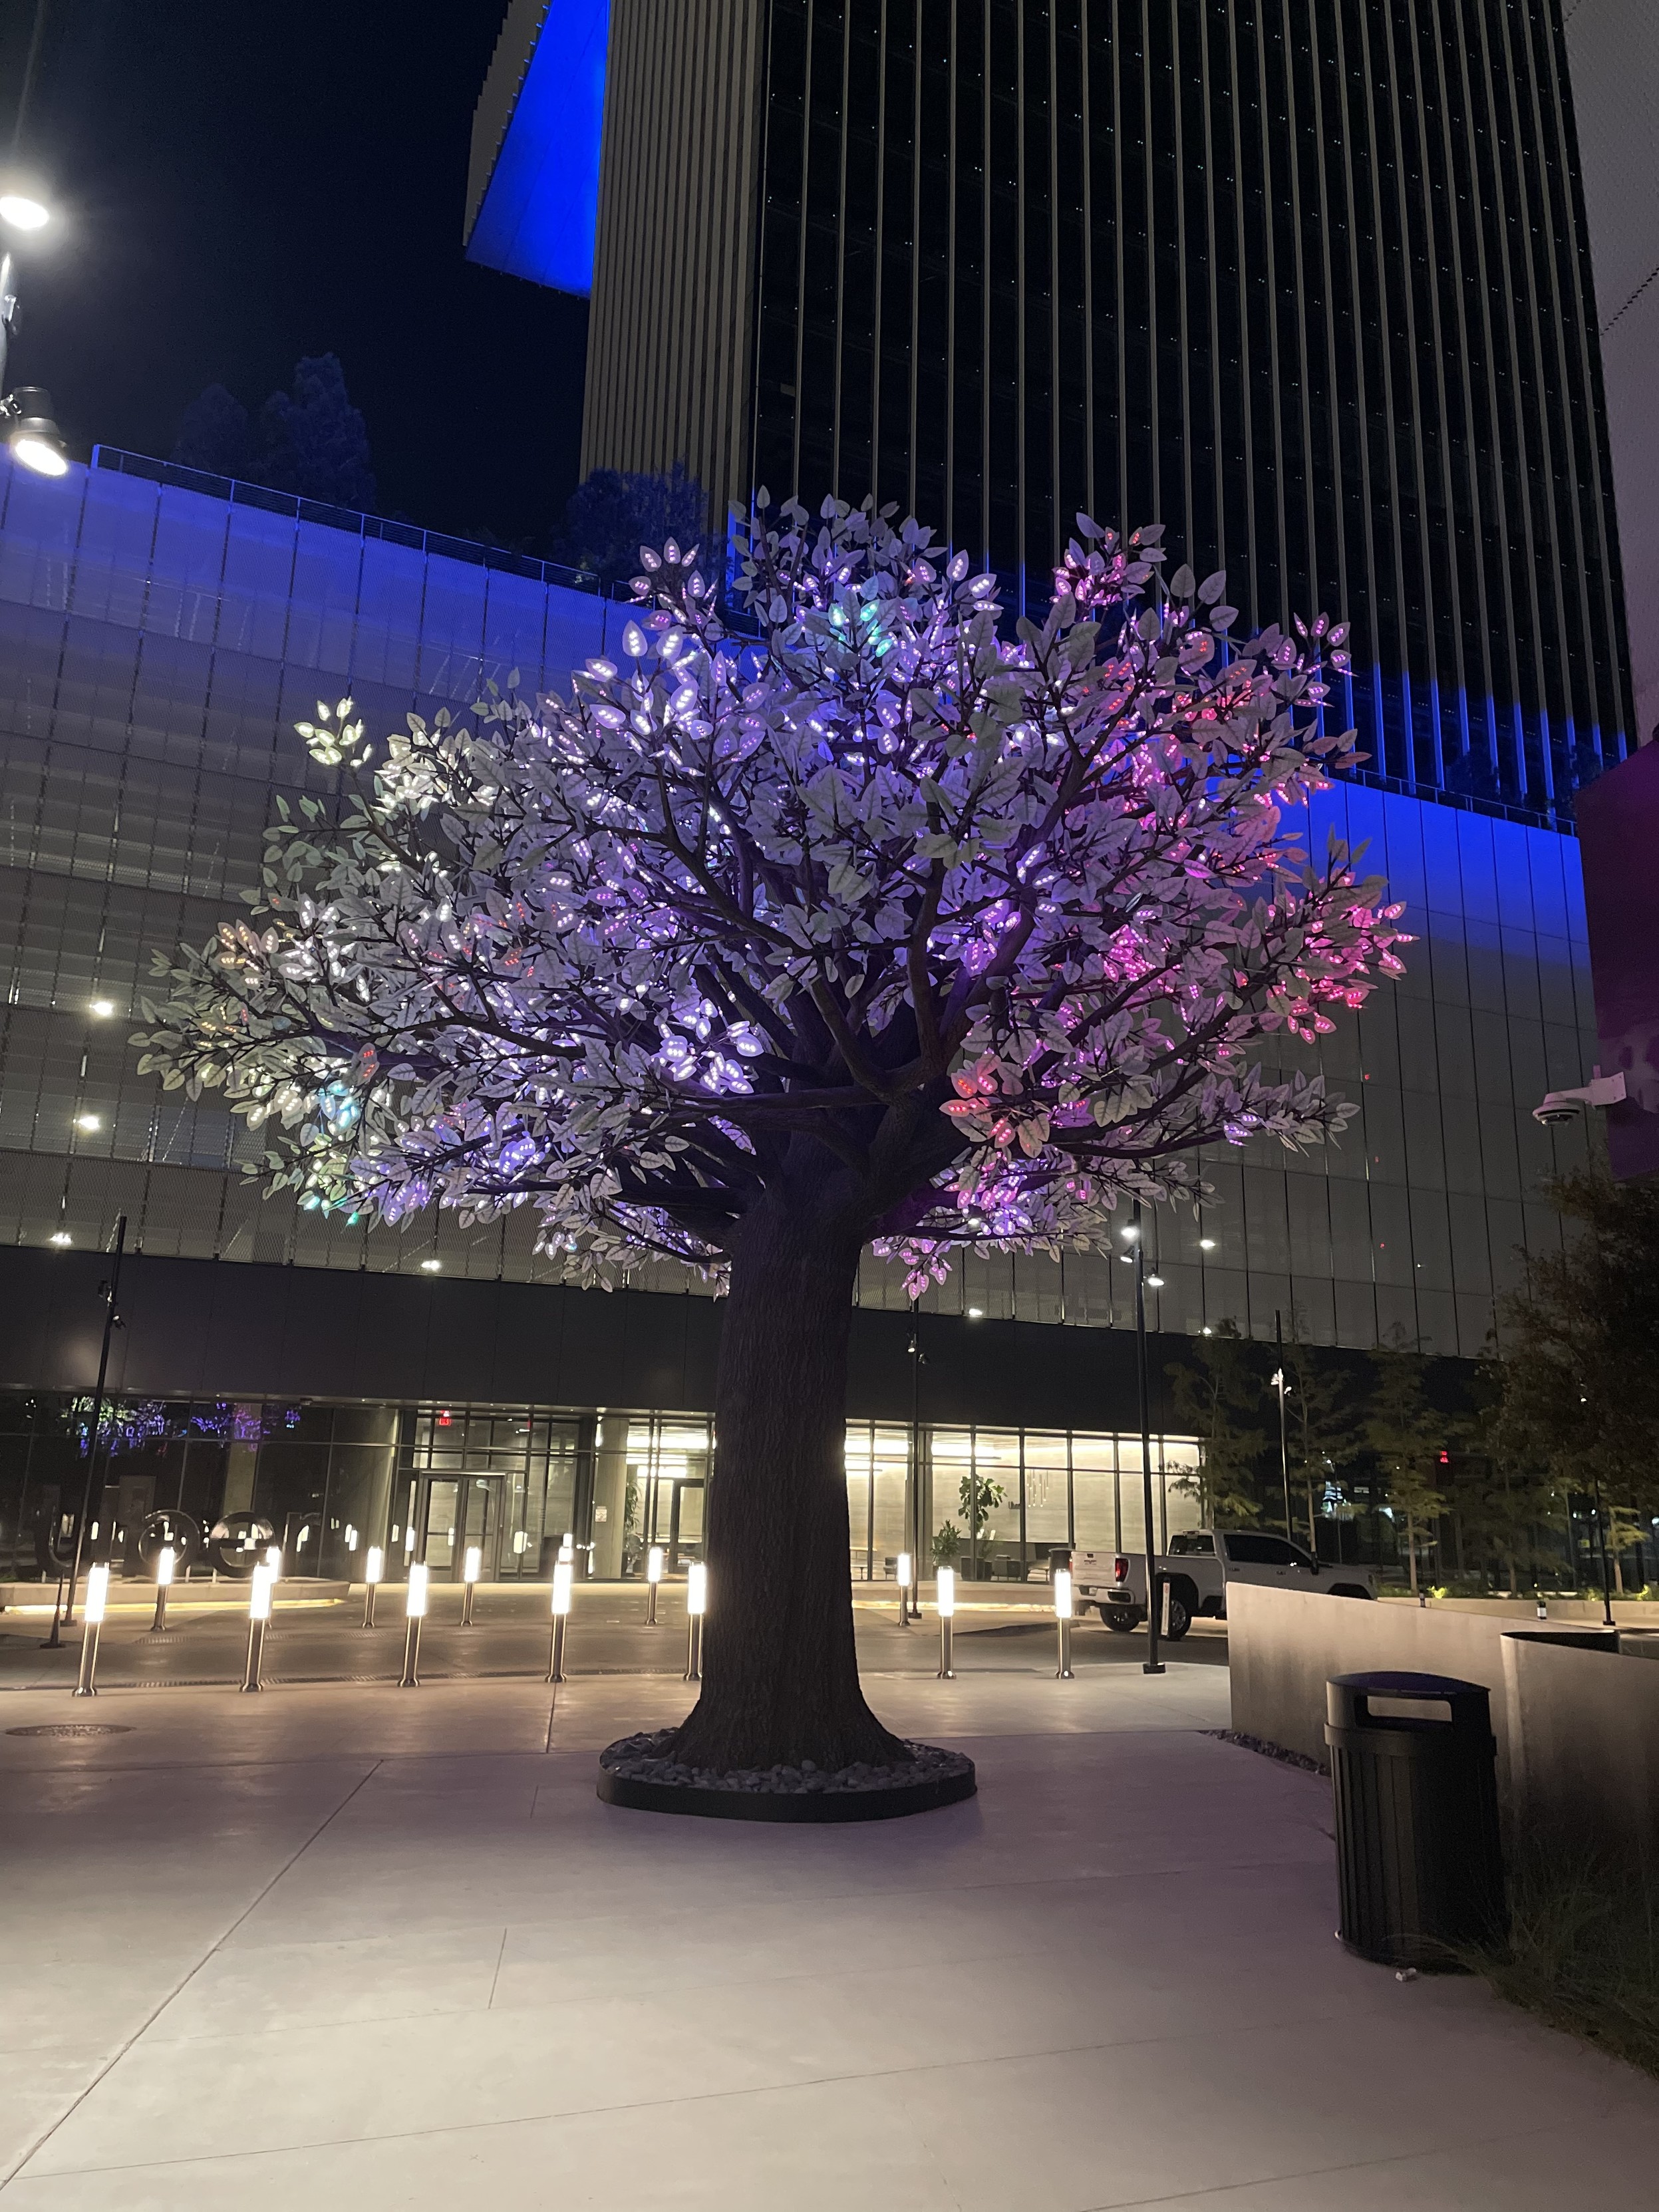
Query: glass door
[
  {"x": 684, "y": 1525},
  {"x": 480, "y": 1519},
  {"x": 441, "y": 1525}
]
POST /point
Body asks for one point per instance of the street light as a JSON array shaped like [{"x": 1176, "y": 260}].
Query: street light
[
  {"x": 945, "y": 1598},
  {"x": 1152, "y": 1664},
  {"x": 1063, "y": 1619},
  {"x": 1282, "y": 1385},
  {"x": 164, "y": 1566},
  {"x": 697, "y": 1604},
  {"x": 92, "y": 1617},
  {"x": 470, "y": 1566},
  {"x": 32, "y": 431},
  {"x": 258, "y": 1615},
  {"x": 22, "y": 210},
  {"x": 109, "y": 1292},
  {"x": 374, "y": 1568},
  {"x": 653, "y": 1577},
  {"x": 904, "y": 1573},
  {"x": 563, "y": 1573},
  {"x": 26, "y": 417},
  {"x": 414, "y": 1614}
]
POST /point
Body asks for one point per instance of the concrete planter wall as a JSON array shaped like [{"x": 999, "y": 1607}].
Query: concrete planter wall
[{"x": 1578, "y": 1731}]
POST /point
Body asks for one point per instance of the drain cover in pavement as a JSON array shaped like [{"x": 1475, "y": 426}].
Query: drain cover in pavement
[{"x": 74, "y": 1728}]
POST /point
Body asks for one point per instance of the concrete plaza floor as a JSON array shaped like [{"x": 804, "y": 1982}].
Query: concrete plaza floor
[{"x": 348, "y": 1947}]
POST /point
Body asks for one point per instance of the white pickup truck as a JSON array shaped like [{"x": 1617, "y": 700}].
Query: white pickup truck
[{"x": 1197, "y": 1569}]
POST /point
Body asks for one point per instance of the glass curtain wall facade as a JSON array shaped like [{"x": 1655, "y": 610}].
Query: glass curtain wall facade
[
  {"x": 1307, "y": 282},
  {"x": 428, "y": 1482},
  {"x": 156, "y": 646},
  {"x": 158, "y": 641}
]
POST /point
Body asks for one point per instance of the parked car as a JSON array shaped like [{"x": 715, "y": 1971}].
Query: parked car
[{"x": 1197, "y": 1569}]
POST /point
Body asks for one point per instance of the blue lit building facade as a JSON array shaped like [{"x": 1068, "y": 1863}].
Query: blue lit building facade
[
  {"x": 1307, "y": 282},
  {"x": 160, "y": 635}
]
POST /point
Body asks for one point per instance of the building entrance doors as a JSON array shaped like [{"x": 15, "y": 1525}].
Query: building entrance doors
[
  {"x": 452, "y": 1512},
  {"x": 673, "y": 1518}
]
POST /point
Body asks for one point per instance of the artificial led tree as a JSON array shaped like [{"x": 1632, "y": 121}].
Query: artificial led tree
[{"x": 891, "y": 924}]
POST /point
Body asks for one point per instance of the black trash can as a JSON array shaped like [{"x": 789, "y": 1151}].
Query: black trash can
[{"x": 1419, "y": 1861}]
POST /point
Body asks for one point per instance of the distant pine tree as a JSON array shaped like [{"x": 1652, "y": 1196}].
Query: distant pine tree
[
  {"x": 614, "y": 512},
  {"x": 313, "y": 441},
  {"x": 214, "y": 435}
]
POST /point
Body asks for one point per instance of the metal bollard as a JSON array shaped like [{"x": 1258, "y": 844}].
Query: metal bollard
[
  {"x": 164, "y": 1566},
  {"x": 562, "y": 1570},
  {"x": 697, "y": 1604},
  {"x": 903, "y": 1572},
  {"x": 258, "y": 1614},
  {"x": 414, "y": 1614},
  {"x": 374, "y": 1568},
  {"x": 653, "y": 1577},
  {"x": 470, "y": 1566},
  {"x": 946, "y": 1602},
  {"x": 92, "y": 1619},
  {"x": 1063, "y": 1622}
]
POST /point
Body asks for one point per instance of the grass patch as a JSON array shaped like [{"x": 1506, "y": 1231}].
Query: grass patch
[{"x": 1581, "y": 1952}]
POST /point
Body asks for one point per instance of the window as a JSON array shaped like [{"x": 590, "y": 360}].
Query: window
[
  {"x": 1247, "y": 1551},
  {"x": 1191, "y": 1543}
]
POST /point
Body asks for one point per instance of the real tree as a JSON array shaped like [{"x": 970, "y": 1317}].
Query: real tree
[
  {"x": 309, "y": 441},
  {"x": 1218, "y": 1394},
  {"x": 884, "y": 928},
  {"x": 1579, "y": 1381},
  {"x": 1325, "y": 1412},
  {"x": 613, "y": 513},
  {"x": 1410, "y": 1437}
]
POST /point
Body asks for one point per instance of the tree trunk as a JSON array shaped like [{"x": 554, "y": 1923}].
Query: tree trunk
[
  {"x": 1411, "y": 1550},
  {"x": 780, "y": 1682}
]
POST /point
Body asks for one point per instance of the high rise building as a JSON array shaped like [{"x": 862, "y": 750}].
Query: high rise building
[
  {"x": 1307, "y": 282},
  {"x": 1614, "y": 48}
]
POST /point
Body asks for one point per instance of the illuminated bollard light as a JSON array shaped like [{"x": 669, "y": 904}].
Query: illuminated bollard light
[
  {"x": 414, "y": 1614},
  {"x": 904, "y": 1589},
  {"x": 374, "y": 1568},
  {"x": 470, "y": 1566},
  {"x": 697, "y": 1604},
  {"x": 1063, "y": 1621},
  {"x": 653, "y": 1577},
  {"x": 946, "y": 1602},
  {"x": 164, "y": 1566},
  {"x": 258, "y": 1615},
  {"x": 564, "y": 1575},
  {"x": 91, "y": 1620}
]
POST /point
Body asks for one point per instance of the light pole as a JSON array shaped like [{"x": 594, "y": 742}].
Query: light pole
[
  {"x": 112, "y": 1322},
  {"x": 1153, "y": 1664},
  {"x": 25, "y": 416},
  {"x": 913, "y": 1598},
  {"x": 1282, "y": 1386}
]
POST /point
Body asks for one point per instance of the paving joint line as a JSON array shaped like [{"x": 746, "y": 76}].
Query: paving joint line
[{"x": 144, "y": 2026}]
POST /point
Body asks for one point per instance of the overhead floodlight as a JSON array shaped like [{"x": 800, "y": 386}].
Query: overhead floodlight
[
  {"x": 34, "y": 436},
  {"x": 24, "y": 211}
]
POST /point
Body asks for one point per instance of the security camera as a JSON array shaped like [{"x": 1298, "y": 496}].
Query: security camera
[{"x": 1568, "y": 1105}]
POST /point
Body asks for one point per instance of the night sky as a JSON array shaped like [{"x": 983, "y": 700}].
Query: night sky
[{"x": 243, "y": 184}]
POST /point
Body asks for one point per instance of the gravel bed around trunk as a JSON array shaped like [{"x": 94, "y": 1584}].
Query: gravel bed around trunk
[
  {"x": 636, "y": 1771},
  {"x": 1267, "y": 1750}
]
